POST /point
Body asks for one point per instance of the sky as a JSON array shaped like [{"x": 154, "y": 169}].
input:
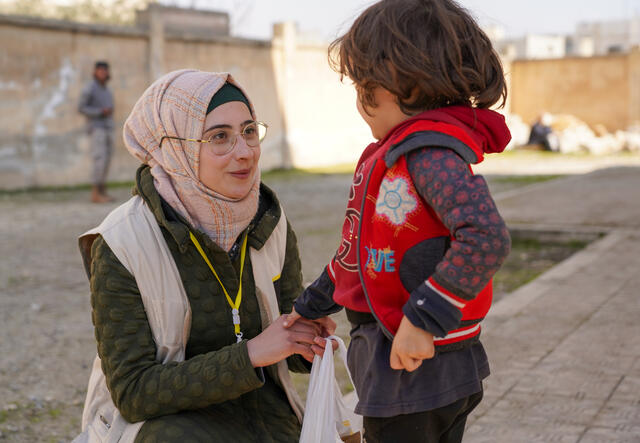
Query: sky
[{"x": 327, "y": 18}]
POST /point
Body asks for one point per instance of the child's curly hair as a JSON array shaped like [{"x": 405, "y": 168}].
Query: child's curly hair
[{"x": 428, "y": 53}]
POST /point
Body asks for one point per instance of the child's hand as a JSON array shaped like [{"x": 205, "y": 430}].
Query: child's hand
[
  {"x": 321, "y": 344},
  {"x": 410, "y": 346},
  {"x": 328, "y": 325},
  {"x": 291, "y": 318}
]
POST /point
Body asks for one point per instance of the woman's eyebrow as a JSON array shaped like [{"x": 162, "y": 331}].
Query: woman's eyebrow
[
  {"x": 245, "y": 123},
  {"x": 218, "y": 126}
]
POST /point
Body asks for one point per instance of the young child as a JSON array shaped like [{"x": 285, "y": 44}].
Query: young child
[{"x": 422, "y": 237}]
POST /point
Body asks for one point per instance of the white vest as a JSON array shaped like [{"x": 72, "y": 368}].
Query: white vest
[{"x": 133, "y": 234}]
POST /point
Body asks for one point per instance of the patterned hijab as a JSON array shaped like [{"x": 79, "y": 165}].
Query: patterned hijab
[{"x": 176, "y": 105}]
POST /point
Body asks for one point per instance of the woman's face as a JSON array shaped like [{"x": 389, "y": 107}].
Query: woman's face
[{"x": 232, "y": 174}]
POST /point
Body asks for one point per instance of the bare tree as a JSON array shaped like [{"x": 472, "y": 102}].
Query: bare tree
[
  {"x": 90, "y": 11},
  {"x": 241, "y": 13}
]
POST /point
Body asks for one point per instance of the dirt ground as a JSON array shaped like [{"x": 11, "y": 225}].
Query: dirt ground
[{"x": 47, "y": 343}]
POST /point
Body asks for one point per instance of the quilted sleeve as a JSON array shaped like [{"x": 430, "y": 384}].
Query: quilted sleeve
[{"x": 141, "y": 387}]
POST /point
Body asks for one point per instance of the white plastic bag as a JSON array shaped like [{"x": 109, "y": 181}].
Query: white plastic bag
[{"x": 327, "y": 419}]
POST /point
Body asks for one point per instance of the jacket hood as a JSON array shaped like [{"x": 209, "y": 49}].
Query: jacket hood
[{"x": 471, "y": 132}]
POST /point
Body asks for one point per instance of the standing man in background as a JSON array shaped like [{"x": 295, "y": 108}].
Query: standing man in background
[{"x": 96, "y": 103}]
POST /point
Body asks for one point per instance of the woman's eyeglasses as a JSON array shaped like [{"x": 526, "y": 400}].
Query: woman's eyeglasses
[{"x": 223, "y": 140}]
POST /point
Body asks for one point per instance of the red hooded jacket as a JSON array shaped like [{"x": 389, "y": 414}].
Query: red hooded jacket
[{"x": 386, "y": 219}]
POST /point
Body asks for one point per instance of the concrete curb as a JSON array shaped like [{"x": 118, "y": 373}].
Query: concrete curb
[{"x": 513, "y": 303}]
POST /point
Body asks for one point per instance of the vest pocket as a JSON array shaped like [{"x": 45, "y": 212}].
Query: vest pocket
[{"x": 100, "y": 426}]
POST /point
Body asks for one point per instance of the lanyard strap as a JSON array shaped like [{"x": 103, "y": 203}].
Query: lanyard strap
[{"x": 235, "y": 305}]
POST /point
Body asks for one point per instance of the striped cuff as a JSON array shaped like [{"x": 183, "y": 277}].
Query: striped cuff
[
  {"x": 447, "y": 295},
  {"x": 433, "y": 309}
]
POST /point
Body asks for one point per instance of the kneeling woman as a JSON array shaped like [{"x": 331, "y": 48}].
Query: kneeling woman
[{"x": 189, "y": 277}]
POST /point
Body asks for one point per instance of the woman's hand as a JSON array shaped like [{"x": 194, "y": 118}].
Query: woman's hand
[
  {"x": 326, "y": 323},
  {"x": 277, "y": 342},
  {"x": 410, "y": 346}
]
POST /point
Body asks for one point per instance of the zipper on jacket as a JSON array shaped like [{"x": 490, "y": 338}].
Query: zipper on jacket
[
  {"x": 104, "y": 420},
  {"x": 360, "y": 274}
]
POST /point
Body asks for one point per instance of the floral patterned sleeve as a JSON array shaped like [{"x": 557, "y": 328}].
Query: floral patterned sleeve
[{"x": 480, "y": 239}]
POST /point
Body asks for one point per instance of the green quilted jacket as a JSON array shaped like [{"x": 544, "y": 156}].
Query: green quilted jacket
[{"x": 215, "y": 394}]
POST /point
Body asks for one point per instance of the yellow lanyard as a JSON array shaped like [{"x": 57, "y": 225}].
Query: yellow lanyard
[{"x": 235, "y": 306}]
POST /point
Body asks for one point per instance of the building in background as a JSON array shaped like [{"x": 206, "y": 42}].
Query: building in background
[
  {"x": 611, "y": 37},
  {"x": 186, "y": 22},
  {"x": 536, "y": 46},
  {"x": 580, "y": 46},
  {"x": 43, "y": 61},
  {"x": 530, "y": 46},
  {"x": 588, "y": 40}
]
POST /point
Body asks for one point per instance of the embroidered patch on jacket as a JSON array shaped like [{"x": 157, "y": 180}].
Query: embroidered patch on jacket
[
  {"x": 395, "y": 201},
  {"x": 380, "y": 260}
]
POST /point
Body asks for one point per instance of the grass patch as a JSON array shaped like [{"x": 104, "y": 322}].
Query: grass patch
[
  {"x": 298, "y": 173},
  {"x": 66, "y": 188},
  {"x": 285, "y": 174},
  {"x": 273, "y": 174},
  {"x": 529, "y": 258},
  {"x": 526, "y": 153},
  {"x": 15, "y": 280},
  {"x": 523, "y": 180},
  {"x": 343, "y": 168}
]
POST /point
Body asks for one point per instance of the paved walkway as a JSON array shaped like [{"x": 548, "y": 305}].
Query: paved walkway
[{"x": 565, "y": 349}]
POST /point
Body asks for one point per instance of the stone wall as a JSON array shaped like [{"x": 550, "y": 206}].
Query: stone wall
[
  {"x": 598, "y": 90},
  {"x": 322, "y": 125},
  {"x": 311, "y": 115},
  {"x": 45, "y": 63},
  {"x": 44, "y": 67}
]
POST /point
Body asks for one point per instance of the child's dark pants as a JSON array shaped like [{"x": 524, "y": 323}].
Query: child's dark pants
[{"x": 442, "y": 425}]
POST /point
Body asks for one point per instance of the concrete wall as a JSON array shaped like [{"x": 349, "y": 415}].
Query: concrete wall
[
  {"x": 311, "y": 115},
  {"x": 44, "y": 64},
  {"x": 252, "y": 67},
  {"x": 611, "y": 36},
  {"x": 182, "y": 21},
  {"x": 322, "y": 124},
  {"x": 598, "y": 90}
]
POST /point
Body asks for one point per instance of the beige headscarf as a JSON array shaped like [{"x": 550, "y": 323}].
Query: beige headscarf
[{"x": 176, "y": 105}]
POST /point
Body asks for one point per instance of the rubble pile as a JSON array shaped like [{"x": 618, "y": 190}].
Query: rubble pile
[{"x": 573, "y": 136}]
